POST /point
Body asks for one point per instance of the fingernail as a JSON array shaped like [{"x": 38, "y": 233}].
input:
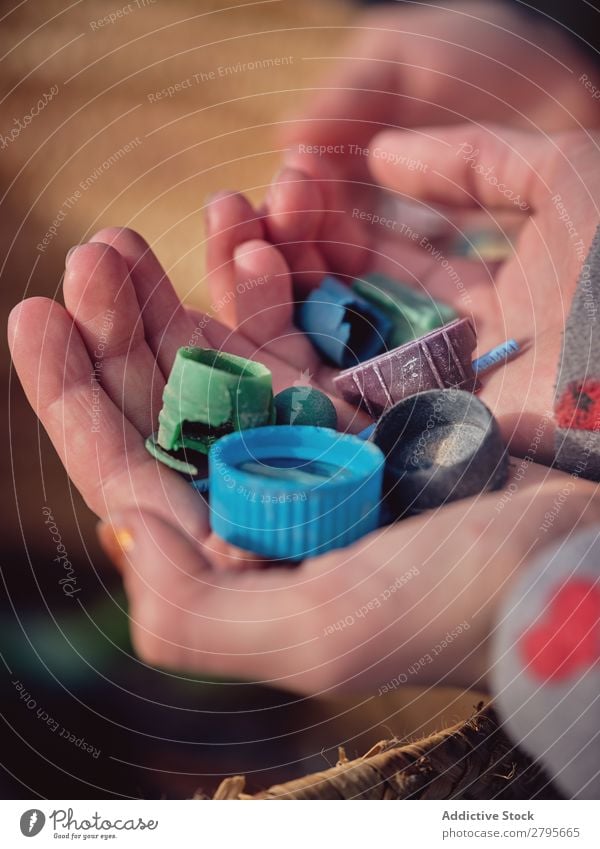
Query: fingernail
[
  {"x": 117, "y": 542},
  {"x": 69, "y": 253},
  {"x": 209, "y": 211},
  {"x": 209, "y": 203},
  {"x": 290, "y": 154},
  {"x": 279, "y": 174},
  {"x": 284, "y": 174}
]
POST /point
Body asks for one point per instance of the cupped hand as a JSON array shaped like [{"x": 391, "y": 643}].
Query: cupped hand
[
  {"x": 291, "y": 626},
  {"x": 412, "y": 603},
  {"x": 528, "y": 297},
  {"x": 549, "y": 184},
  {"x": 415, "y": 65},
  {"x": 94, "y": 372}
]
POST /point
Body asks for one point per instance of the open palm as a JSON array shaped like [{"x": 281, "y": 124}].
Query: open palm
[
  {"x": 94, "y": 372},
  {"x": 278, "y": 624},
  {"x": 303, "y": 230}
]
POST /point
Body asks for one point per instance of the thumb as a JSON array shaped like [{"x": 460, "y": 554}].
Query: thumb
[{"x": 468, "y": 165}]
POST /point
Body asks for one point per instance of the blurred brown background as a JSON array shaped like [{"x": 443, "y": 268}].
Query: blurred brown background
[
  {"x": 70, "y": 168},
  {"x": 219, "y": 132}
]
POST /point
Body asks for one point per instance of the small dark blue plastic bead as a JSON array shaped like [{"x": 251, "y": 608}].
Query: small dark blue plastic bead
[{"x": 304, "y": 405}]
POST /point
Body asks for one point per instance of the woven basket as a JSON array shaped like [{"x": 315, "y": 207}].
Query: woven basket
[{"x": 470, "y": 760}]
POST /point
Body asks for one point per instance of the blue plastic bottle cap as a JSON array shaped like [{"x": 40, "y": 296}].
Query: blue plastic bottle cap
[
  {"x": 367, "y": 433},
  {"x": 341, "y": 325},
  {"x": 294, "y": 491}
]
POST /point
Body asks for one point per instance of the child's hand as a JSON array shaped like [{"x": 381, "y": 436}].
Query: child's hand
[
  {"x": 551, "y": 183},
  {"x": 184, "y": 613},
  {"x": 423, "y": 66},
  {"x": 94, "y": 373},
  {"x": 529, "y": 297},
  {"x": 412, "y": 603}
]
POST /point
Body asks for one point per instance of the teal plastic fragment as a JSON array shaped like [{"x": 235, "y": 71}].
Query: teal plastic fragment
[
  {"x": 412, "y": 314},
  {"x": 210, "y": 394},
  {"x": 344, "y": 327}
]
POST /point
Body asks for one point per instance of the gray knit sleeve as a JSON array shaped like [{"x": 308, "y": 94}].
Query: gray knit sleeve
[{"x": 577, "y": 396}]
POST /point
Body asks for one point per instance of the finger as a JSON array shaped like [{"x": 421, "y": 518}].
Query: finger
[
  {"x": 293, "y": 214},
  {"x": 468, "y": 165},
  {"x": 429, "y": 269},
  {"x": 230, "y": 220},
  {"x": 167, "y": 325},
  {"x": 358, "y": 96},
  {"x": 463, "y": 284},
  {"x": 293, "y": 207},
  {"x": 101, "y": 299},
  {"x": 357, "y": 100},
  {"x": 264, "y": 304},
  {"x": 341, "y": 239},
  {"x": 103, "y": 453}
]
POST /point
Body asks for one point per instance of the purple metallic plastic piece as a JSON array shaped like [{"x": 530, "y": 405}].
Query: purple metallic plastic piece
[{"x": 438, "y": 360}]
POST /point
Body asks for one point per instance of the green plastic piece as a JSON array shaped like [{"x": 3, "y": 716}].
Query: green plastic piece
[
  {"x": 304, "y": 405},
  {"x": 411, "y": 313},
  {"x": 209, "y": 394},
  {"x": 186, "y": 461}
]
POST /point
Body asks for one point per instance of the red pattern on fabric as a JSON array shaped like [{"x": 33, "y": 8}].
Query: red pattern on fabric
[
  {"x": 567, "y": 640},
  {"x": 579, "y": 405}
]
